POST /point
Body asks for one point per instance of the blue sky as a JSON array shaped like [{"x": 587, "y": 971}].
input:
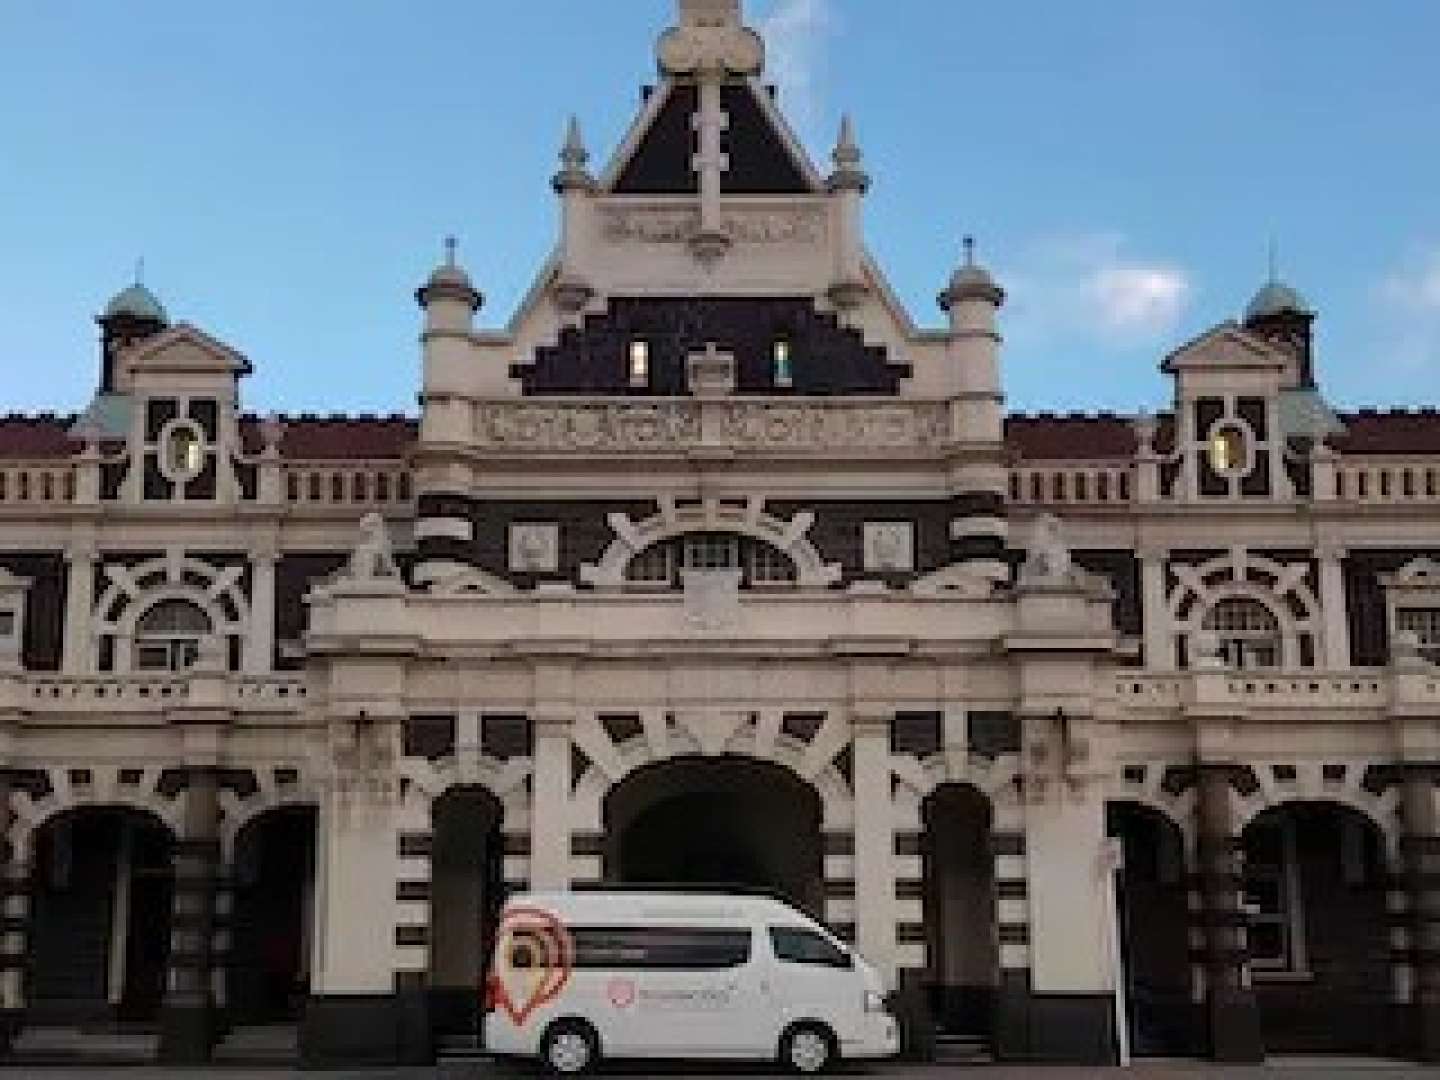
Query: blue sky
[{"x": 287, "y": 170}]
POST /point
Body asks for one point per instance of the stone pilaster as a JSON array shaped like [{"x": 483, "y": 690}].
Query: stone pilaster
[
  {"x": 1420, "y": 849},
  {"x": 14, "y": 941},
  {"x": 187, "y": 1026},
  {"x": 1232, "y": 1014},
  {"x": 874, "y": 845},
  {"x": 550, "y": 801}
]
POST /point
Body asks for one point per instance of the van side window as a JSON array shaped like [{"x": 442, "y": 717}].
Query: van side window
[
  {"x": 806, "y": 947},
  {"x": 672, "y": 948}
]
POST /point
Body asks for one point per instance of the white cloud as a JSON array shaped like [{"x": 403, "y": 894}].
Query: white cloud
[
  {"x": 795, "y": 33},
  {"x": 1090, "y": 286},
  {"x": 1416, "y": 286}
]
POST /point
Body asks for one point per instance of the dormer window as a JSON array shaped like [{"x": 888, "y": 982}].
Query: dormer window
[
  {"x": 639, "y": 363},
  {"x": 182, "y": 451},
  {"x": 780, "y": 363},
  {"x": 1228, "y": 450}
]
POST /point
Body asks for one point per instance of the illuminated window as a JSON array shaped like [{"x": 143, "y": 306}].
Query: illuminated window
[
  {"x": 168, "y": 636},
  {"x": 183, "y": 451},
  {"x": 780, "y": 361},
  {"x": 1248, "y": 633},
  {"x": 639, "y": 363},
  {"x": 1227, "y": 450}
]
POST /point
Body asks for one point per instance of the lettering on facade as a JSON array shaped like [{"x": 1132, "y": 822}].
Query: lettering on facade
[{"x": 668, "y": 226}]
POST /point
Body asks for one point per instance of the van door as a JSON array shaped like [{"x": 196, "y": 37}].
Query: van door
[
  {"x": 676, "y": 991},
  {"x": 815, "y": 979}
]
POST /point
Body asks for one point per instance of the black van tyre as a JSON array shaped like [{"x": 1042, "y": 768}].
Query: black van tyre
[
  {"x": 807, "y": 1048},
  {"x": 569, "y": 1048}
]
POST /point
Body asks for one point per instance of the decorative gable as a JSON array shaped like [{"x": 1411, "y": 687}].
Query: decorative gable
[
  {"x": 762, "y": 158},
  {"x": 1226, "y": 347},
  {"x": 182, "y": 356}
]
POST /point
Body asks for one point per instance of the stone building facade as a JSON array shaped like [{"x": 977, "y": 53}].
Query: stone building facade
[{"x": 713, "y": 566}]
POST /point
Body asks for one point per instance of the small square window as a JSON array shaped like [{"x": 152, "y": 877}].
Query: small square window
[{"x": 7, "y": 623}]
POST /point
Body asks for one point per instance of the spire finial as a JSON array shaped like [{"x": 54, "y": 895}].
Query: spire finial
[
  {"x": 968, "y": 243},
  {"x": 1274, "y": 261},
  {"x": 140, "y": 270},
  {"x": 450, "y": 245}
]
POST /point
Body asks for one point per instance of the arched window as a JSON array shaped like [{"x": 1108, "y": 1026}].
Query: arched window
[
  {"x": 1248, "y": 633},
  {"x": 168, "y": 636},
  {"x": 761, "y": 565}
]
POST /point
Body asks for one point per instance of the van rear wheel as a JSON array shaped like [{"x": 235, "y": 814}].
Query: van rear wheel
[
  {"x": 807, "y": 1049},
  {"x": 569, "y": 1048}
]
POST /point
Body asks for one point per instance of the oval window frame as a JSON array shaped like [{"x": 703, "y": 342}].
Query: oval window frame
[
  {"x": 163, "y": 450},
  {"x": 1245, "y": 464}
]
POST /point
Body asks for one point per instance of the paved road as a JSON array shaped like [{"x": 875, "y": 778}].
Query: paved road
[{"x": 1334, "y": 1069}]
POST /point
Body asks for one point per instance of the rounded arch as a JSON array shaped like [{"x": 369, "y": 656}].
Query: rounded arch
[
  {"x": 1280, "y": 588},
  {"x": 237, "y": 813},
  {"x": 1144, "y": 784},
  {"x": 711, "y": 820},
  {"x": 428, "y": 781},
  {"x": 679, "y": 741},
  {"x": 32, "y": 814},
  {"x": 1309, "y": 788},
  {"x": 131, "y": 591},
  {"x": 748, "y": 518}
]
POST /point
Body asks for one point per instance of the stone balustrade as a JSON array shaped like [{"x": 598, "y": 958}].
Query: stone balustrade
[
  {"x": 371, "y": 484},
  {"x": 37, "y": 483},
  {"x": 34, "y": 692},
  {"x": 1387, "y": 480},
  {"x": 1093, "y": 483}
]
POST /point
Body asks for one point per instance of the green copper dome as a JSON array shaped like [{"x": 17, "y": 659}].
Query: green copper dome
[
  {"x": 138, "y": 302},
  {"x": 1274, "y": 298}
]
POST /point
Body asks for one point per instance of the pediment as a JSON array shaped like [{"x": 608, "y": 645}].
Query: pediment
[
  {"x": 185, "y": 350},
  {"x": 657, "y": 155},
  {"x": 1225, "y": 347}
]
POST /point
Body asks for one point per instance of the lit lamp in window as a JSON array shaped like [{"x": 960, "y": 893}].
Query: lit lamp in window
[
  {"x": 639, "y": 363},
  {"x": 1227, "y": 450},
  {"x": 184, "y": 452},
  {"x": 780, "y": 363}
]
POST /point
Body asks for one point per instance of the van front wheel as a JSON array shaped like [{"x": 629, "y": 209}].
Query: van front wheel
[
  {"x": 807, "y": 1049},
  {"x": 569, "y": 1048}
]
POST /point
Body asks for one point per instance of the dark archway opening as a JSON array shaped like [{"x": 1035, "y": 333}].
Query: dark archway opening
[
  {"x": 722, "y": 821},
  {"x": 1154, "y": 918},
  {"x": 961, "y": 936},
  {"x": 466, "y": 892},
  {"x": 272, "y": 922},
  {"x": 104, "y": 881},
  {"x": 1319, "y": 935}
]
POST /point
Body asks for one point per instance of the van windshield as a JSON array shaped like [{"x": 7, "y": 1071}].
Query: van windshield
[
  {"x": 796, "y": 945},
  {"x": 674, "y": 948}
]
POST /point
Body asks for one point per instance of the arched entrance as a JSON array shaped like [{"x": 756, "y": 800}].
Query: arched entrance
[
  {"x": 272, "y": 920},
  {"x": 961, "y": 936},
  {"x": 466, "y": 891},
  {"x": 100, "y": 936},
  {"x": 1319, "y": 937},
  {"x": 717, "y": 821},
  {"x": 1154, "y": 920}
]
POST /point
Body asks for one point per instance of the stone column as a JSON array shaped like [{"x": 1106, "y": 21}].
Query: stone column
[
  {"x": 260, "y": 635},
  {"x": 1332, "y": 610},
  {"x": 1232, "y": 1014},
  {"x": 1155, "y": 613},
  {"x": 1420, "y": 848},
  {"x": 14, "y": 943},
  {"x": 354, "y": 1014},
  {"x": 187, "y": 1027},
  {"x": 550, "y": 801},
  {"x": 78, "y": 658},
  {"x": 874, "y": 844}
]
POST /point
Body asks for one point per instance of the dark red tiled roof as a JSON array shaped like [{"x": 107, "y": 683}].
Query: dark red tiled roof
[
  {"x": 1047, "y": 436},
  {"x": 42, "y": 436},
  {"x": 336, "y": 437},
  {"x": 1393, "y": 432}
]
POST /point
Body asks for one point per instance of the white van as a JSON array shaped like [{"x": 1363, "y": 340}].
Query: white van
[{"x": 678, "y": 975}]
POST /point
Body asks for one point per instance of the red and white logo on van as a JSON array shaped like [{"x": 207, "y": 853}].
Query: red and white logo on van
[
  {"x": 532, "y": 964},
  {"x": 621, "y": 992}
]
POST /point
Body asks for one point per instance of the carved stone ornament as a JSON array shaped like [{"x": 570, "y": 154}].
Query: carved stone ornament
[
  {"x": 673, "y": 426},
  {"x": 889, "y": 546},
  {"x": 534, "y": 547},
  {"x": 710, "y": 38},
  {"x": 1048, "y": 565},
  {"x": 712, "y": 599},
  {"x": 667, "y": 225},
  {"x": 1418, "y": 575},
  {"x": 373, "y": 558}
]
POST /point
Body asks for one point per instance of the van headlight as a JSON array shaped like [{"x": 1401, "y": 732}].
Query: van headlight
[{"x": 874, "y": 1003}]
